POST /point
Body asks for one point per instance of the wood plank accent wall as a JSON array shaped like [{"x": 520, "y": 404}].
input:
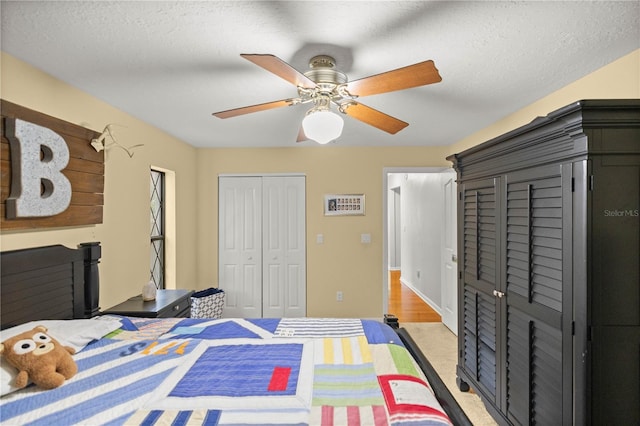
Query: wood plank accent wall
[{"x": 85, "y": 171}]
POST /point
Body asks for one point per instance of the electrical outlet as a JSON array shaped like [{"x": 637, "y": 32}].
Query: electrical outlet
[{"x": 339, "y": 296}]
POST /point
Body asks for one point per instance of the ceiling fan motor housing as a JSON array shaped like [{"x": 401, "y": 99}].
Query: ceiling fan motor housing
[
  {"x": 322, "y": 71},
  {"x": 328, "y": 81}
]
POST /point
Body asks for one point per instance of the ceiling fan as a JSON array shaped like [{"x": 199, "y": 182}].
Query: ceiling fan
[{"x": 324, "y": 86}]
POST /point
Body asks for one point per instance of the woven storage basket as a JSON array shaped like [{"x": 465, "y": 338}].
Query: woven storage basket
[{"x": 207, "y": 303}]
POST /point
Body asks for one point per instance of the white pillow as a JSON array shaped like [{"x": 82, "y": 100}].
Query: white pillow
[{"x": 74, "y": 333}]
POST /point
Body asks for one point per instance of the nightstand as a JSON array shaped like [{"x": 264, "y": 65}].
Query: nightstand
[{"x": 168, "y": 304}]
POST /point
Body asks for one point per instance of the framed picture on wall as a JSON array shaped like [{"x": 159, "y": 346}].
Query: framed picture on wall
[{"x": 344, "y": 205}]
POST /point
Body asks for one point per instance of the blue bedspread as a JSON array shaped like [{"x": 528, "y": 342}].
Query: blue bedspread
[{"x": 237, "y": 371}]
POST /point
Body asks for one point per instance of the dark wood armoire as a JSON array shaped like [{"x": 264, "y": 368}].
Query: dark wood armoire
[{"x": 549, "y": 268}]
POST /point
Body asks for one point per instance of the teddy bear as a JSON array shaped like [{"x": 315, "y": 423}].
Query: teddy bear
[{"x": 39, "y": 358}]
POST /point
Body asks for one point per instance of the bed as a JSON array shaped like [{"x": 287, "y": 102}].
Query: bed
[{"x": 324, "y": 371}]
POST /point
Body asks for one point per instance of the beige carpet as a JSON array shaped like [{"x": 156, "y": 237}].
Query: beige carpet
[{"x": 440, "y": 346}]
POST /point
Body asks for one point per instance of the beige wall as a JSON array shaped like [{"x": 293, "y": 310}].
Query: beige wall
[
  {"x": 341, "y": 263},
  {"x": 124, "y": 233}
]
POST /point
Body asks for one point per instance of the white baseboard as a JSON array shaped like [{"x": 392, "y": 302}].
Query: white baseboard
[{"x": 425, "y": 299}]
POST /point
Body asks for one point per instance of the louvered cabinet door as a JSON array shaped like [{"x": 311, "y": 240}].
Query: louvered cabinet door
[
  {"x": 537, "y": 208},
  {"x": 479, "y": 205}
]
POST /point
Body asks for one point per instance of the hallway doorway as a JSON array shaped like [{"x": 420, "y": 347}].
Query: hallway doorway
[{"x": 415, "y": 237}]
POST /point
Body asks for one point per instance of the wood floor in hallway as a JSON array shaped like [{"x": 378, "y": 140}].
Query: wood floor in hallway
[{"x": 406, "y": 305}]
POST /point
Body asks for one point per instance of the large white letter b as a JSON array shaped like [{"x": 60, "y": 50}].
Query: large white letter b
[{"x": 38, "y": 156}]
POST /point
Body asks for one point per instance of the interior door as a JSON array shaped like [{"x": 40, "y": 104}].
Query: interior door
[
  {"x": 284, "y": 247},
  {"x": 449, "y": 292},
  {"x": 240, "y": 245}
]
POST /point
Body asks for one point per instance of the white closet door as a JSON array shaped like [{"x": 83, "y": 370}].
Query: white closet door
[
  {"x": 240, "y": 245},
  {"x": 284, "y": 247}
]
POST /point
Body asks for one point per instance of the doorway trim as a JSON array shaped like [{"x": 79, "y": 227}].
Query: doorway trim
[{"x": 386, "y": 171}]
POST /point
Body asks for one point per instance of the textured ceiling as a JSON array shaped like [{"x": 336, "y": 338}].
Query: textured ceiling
[{"x": 172, "y": 64}]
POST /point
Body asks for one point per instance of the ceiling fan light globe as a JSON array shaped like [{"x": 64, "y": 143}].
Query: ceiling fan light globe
[{"x": 322, "y": 126}]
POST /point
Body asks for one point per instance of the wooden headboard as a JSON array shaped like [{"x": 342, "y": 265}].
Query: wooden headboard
[{"x": 52, "y": 282}]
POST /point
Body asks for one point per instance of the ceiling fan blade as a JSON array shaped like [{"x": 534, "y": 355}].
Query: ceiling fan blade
[
  {"x": 301, "y": 136},
  {"x": 255, "y": 108},
  {"x": 415, "y": 75},
  {"x": 375, "y": 118},
  {"x": 280, "y": 68}
]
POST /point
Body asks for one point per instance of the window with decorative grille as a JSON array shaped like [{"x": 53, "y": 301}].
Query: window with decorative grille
[{"x": 157, "y": 228}]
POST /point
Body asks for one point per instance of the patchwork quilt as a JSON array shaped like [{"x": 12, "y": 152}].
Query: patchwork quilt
[{"x": 237, "y": 372}]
